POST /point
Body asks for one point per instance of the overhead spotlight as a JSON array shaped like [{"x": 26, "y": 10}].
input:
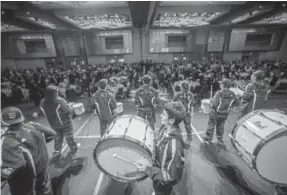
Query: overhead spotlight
[
  {"x": 2, "y": 12},
  {"x": 284, "y": 5},
  {"x": 260, "y": 6},
  {"x": 28, "y": 13}
]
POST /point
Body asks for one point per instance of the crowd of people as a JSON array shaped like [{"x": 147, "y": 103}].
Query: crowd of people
[
  {"x": 29, "y": 156},
  {"x": 29, "y": 84}
]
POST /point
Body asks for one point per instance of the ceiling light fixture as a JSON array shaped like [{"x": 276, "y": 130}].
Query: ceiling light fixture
[
  {"x": 284, "y": 5},
  {"x": 2, "y": 12},
  {"x": 28, "y": 13},
  {"x": 260, "y": 6}
]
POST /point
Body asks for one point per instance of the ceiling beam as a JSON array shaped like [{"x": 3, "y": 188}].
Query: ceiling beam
[
  {"x": 151, "y": 14},
  {"x": 277, "y": 9},
  {"x": 47, "y": 15},
  {"x": 139, "y": 12},
  {"x": 9, "y": 18}
]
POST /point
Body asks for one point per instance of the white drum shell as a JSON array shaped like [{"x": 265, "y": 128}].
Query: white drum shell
[
  {"x": 78, "y": 108},
  {"x": 262, "y": 141},
  {"x": 122, "y": 132},
  {"x": 205, "y": 106},
  {"x": 119, "y": 108}
]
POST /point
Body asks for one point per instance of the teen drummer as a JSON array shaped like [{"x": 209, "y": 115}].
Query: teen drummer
[
  {"x": 169, "y": 153},
  {"x": 221, "y": 104}
]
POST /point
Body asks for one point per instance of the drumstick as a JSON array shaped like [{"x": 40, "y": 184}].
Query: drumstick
[
  {"x": 125, "y": 160},
  {"x": 211, "y": 89}
]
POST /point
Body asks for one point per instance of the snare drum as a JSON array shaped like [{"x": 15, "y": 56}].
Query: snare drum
[
  {"x": 205, "y": 106},
  {"x": 260, "y": 138},
  {"x": 119, "y": 109},
  {"x": 128, "y": 139},
  {"x": 78, "y": 108}
]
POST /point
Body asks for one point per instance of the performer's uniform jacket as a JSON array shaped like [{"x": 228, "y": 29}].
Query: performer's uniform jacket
[
  {"x": 104, "y": 102},
  {"x": 168, "y": 162},
  {"x": 221, "y": 104},
  {"x": 25, "y": 158},
  {"x": 59, "y": 116},
  {"x": 145, "y": 99},
  {"x": 177, "y": 87},
  {"x": 188, "y": 101},
  {"x": 254, "y": 97},
  {"x": 57, "y": 113}
]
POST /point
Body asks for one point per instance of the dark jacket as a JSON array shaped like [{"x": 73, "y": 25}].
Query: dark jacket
[
  {"x": 255, "y": 96},
  {"x": 186, "y": 99},
  {"x": 169, "y": 157},
  {"x": 104, "y": 102},
  {"x": 56, "y": 110},
  {"x": 222, "y": 102},
  {"x": 24, "y": 146},
  {"x": 146, "y": 97}
]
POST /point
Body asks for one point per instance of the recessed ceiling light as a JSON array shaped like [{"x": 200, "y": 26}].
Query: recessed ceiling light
[
  {"x": 260, "y": 6},
  {"x": 2, "y": 12},
  {"x": 284, "y": 5},
  {"x": 28, "y": 13}
]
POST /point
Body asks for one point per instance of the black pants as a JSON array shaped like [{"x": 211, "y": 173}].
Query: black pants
[
  {"x": 163, "y": 188},
  {"x": 22, "y": 182}
]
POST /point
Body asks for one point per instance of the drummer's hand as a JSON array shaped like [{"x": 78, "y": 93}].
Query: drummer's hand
[
  {"x": 141, "y": 165},
  {"x": 142, "y": 168}
]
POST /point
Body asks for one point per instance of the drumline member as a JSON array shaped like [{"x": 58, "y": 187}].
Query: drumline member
[
  {"x": 186, "y": 98},
  {"x": 24, "y": 154},
  {"x": 256, "y": 93},
  {"x": 221, "y": 104},
  {"x": 59, "y": 115},
  {"x": 146, "y": 98},
  {"x": 104, "y": 103},
  {"x": 169, "y": 153}
]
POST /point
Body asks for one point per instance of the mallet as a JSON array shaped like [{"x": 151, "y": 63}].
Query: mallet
[{"x": 124, "y": 159}]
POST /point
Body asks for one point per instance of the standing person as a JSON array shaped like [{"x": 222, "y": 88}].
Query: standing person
[
  {"x": 104, "y": 103},
  {"x": 136, "y": 78},
  {"x": 59, "y": 116},
  {"x": 256, "y": 94},
  {"x": 24, "y": 154},
  {"x": 186, "y": 98},
  {"x": 221, "y": 104},
  {"x": 146, "y": 98},
  {"x": 169, "y": 153}
]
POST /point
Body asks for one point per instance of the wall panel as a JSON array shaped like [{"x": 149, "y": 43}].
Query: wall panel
[
  {"x": 136, "y": 55},
  {"x": 238, "y": 39},
  {"x": 97, "y": 59},
  {"x": 8, "y": 64},
  {"x": 95, "y": 42},
  {"x": 158, "y": 40},
  {"x": 30, "y": 63}
]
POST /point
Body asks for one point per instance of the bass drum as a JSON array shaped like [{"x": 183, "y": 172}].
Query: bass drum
[
  {"x": 260, "y": 138},
  {"x": 128, "y": 139}
]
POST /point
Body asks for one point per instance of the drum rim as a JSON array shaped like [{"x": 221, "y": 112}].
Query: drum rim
[
  {"x": 134, "y": 116},
  {"x": 118, "y": 137},
  {"x": 259, "y": 146}
]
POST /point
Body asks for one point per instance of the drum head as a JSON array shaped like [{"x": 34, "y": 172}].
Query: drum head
[
  {"x": 77, "y": 105},
  {"x": 271, "y": 160},
  {"x": 111, "y": 156}
]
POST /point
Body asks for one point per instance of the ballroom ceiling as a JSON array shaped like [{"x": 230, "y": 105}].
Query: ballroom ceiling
[{"x": 85, "y": 15}]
